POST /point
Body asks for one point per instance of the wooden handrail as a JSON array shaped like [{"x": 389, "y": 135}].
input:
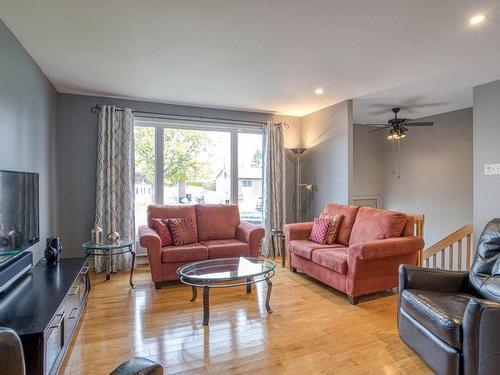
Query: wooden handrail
[
  {"x": 447, "y": 245},
  {"x": 419, "y": 220}
]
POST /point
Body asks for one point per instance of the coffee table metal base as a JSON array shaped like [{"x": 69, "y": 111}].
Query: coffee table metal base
[{"x": 206, "y": 292}]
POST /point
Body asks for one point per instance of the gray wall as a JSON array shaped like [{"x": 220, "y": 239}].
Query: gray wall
[
  {"x": 76, "y": 159},
  {"x": 368, "y": 170},
  {"x": 27, "y": 126},
  {"x": 486, "y": 151},
  {"x": 436, "y": 172},
  {"x": 327, "y": 163}
]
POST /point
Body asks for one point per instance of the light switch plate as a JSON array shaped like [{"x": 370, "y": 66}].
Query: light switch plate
[{"x": 490, "y": 169}]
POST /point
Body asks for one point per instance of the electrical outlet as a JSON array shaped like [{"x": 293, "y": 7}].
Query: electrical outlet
[{"x": 490, "y": 169}]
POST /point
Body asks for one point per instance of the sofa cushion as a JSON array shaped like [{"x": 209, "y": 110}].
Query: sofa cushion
[
  {"x": 305, "y": 248},
  {"x": 217, "y": 221},
  {"x": 171, "y": 211},
  {"x": 186, "y": 253},
  {"x": 333, "y": 228},
  {"x": 375, "y": 224},
  {"x": 226, "y": 248},
  {"x": 349, "y": 213},
  {"x": 319, "y": 230},
  {"x": 161, "y": 227},
  {"x": 182, "y": 231},
  {"x": 440, "y": 312},
  {"x": 334, "y": 259}
]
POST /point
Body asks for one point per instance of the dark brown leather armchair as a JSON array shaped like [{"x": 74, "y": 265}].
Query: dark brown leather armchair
[
  {"x": 12, "y": 359},
  {"x": 452, "y": 319}
]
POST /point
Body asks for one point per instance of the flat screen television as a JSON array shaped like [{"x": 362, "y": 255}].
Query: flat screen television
[{"x": 19, "y": 213}]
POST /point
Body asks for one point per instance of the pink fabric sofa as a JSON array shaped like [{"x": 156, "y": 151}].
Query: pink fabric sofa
[
  {"x": 221, "y": 234},
  {"x": 370, "y": 246}
]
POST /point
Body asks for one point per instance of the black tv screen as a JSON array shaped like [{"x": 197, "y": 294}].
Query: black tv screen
[{"x": 19, "y": 212}]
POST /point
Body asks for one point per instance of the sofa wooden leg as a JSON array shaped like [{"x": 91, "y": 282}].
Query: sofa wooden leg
[
  {"x": 353, "y": 300},
  {"x": 293, "y": 269},
  {"x": 158, "y": 285}
]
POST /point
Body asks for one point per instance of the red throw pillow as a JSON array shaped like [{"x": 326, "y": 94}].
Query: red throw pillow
[
  {"x": 333, "y": 228},
  {"x": 161, "y": 227},
  {"x": 319, "y": 230},
  {"x": 182, "y": 231}
]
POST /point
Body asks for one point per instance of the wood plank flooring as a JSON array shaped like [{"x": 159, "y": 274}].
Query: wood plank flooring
[{"x": 313, "y": 330}]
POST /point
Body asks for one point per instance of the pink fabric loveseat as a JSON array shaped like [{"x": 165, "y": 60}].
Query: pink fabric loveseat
[
  {"x": 370, "y": 246},
  {"x": 220, "y": 232}
]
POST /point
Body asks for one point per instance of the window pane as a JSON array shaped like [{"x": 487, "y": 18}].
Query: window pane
[
  {"x": 250, "y": 177},
  {"x": 197, "y": 166},
  {"x": 144, "y": 143}
]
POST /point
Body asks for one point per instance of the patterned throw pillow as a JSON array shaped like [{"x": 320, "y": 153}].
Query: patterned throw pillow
[
  {"x": 182, "y": 231},
  {"x": 319, "y": 230},
  {"x": 161, "y": 227},
  {"x": 333, "y": 228}
]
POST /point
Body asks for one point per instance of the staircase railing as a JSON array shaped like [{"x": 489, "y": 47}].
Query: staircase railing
[{"x": 443, "y": 254}]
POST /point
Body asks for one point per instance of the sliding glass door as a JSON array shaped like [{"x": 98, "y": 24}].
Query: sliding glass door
[{"x": 189, "y": 164}]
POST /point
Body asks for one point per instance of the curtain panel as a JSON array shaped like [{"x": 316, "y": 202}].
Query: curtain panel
[
  {"x": 274, "y": 181},
  {"x": 114, "y": 206}
]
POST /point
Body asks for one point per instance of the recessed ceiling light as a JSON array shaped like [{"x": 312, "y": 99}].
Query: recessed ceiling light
[
  {"x": 318, "y": 91},
  {"x": 477, "y": 19}
]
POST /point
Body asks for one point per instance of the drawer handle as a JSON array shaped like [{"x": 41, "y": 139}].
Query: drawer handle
[
  {"x": 58, "y": 324},
  {"x": 71, "y": 316},
  {"x": 74, "y": 290},
  {"x": 85, "y": 270}
]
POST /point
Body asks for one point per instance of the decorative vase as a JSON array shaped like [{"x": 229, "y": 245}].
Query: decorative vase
[
  {"x": 113, "y": 237},
  {"x": 96, "y": 235}
]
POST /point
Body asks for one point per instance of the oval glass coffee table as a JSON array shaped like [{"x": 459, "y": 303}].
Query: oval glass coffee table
[{"x": 226, "y": 273}]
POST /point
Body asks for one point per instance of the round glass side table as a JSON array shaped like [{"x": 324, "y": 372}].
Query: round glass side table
[{"x": 107, "y": 250}]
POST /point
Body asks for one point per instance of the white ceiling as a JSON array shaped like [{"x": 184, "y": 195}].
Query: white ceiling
[{"x": 265, "y": 55}]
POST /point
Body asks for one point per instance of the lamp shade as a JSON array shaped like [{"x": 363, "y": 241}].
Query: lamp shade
[{"x": 298, "y": 150}]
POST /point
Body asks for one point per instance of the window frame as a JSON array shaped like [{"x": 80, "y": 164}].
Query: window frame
[{"x": 233, "y": 129}]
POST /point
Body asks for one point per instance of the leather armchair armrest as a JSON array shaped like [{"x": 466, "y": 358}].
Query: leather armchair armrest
[
  {"x": 297, "y": 231},
  {"x": 389, "y": 247},
  {"x": 11, "y": 352},
  {"x": 251, "y": 234},
  {"x": 481, "y": 341},
  {"x": 414, "y": 277},
  {"x": 138, "y": 366}
]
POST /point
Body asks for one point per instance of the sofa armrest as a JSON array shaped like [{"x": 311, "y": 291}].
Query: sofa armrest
[
  {"x": 414, "y": 277},
  {"x": 138, "y": 366},
  {"x": 481, "y": 341},
  {"x": 297, "y": 231},
  {"x": 251, "y": 234},
  {"x": 148, "y": 238},
  {"x": 389, "y": 247}
]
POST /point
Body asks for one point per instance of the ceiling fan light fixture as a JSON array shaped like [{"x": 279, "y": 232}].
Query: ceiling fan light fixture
[{"x": 477, "y": 19}]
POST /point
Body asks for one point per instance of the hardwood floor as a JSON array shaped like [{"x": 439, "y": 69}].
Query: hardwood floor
[{"x": 313, "y": 330}]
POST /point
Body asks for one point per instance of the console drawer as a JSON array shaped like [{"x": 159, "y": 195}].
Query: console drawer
[{"x": 55, "y": 342}]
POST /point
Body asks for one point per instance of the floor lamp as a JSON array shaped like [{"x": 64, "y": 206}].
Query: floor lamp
[{"x": 299, "y": 151}]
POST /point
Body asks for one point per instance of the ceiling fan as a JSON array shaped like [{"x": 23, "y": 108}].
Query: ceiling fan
[
  {"x": 397, "y": 126},
  {"x": 397, "y": 131}
]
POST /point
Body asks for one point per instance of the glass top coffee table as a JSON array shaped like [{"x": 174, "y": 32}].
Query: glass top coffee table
[{"x": 226, "y": 273}]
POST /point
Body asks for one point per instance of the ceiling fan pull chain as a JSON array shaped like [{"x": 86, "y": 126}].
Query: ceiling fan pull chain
[
  {"x": 393, "y": 157},
  {"x": 399, "y": 158}
]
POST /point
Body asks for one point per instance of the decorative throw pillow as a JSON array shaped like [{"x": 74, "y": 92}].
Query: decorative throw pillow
[
  {"x": 182, "y": 231},
  {"x": 319, "y": 230},
  {"x": 161, "y": 227},
  {"x": 333, "y": 228}
]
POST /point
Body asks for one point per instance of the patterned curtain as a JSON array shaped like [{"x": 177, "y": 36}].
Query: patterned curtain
[
  {"x": 274, "y": 182},
  {"x": 114, "y": 209}
]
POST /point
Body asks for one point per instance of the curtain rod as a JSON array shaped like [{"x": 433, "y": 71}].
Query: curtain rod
[{"x": 174, "y": 116}]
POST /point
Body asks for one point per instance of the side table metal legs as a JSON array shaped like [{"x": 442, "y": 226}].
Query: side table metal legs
[
  {"x": 195, "y": 293},
  {"x": 249, "y": 286},
  {"x": 133, "y": 266},
  {"x": 268, "y": 296},
  {"x": 206, "y": 305},
  {"x": 108, "y": 266}
]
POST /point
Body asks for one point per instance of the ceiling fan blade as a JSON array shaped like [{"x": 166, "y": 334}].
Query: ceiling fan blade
[
  {"x": 419, "y": 123},
  {"x": 377, "y": 125},
  {"x": 376, "y": 130}
]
